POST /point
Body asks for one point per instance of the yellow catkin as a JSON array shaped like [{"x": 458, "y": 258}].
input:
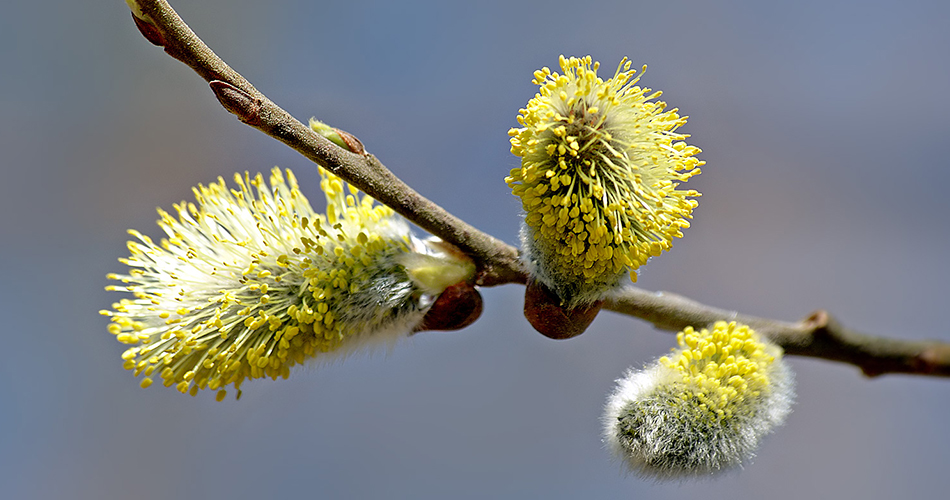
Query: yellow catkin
[
  {"x": 704, "y": 408},
  {"x": 251, "y": 281},
  {"x": 601, "y": 161}
]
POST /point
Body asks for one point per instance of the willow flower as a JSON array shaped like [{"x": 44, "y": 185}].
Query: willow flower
[
  {"x": 702, "y": 410},
  {"x": 600, "y": 165},
  {"x": 250, "y": 282}
]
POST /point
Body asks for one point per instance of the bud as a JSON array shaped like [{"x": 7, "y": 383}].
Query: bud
[{"x": 339, "y": 137}]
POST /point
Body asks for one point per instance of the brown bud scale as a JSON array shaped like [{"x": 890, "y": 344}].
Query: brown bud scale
[
  {"x": 457, "y": 307},
  {"x": 149, "y": 31},
  {"x": 544, "y": 310}
]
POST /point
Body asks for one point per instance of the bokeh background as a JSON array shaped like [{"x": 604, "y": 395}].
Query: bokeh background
[{"x": 823, "y": 124}]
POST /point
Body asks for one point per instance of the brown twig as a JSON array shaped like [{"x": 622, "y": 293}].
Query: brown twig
[
  {"x": 818, "y": 336},
  {"x": 497, "y": 262}
]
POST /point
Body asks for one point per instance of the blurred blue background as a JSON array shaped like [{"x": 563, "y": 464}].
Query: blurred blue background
[{"x": 823, "y": 125}]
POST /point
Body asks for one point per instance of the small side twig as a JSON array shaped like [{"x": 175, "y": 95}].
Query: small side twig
[{"x": 818, "y": 336}]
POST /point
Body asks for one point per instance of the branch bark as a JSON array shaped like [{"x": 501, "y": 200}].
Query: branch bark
[
  {"x": 819, "y": 335},
  {"x": 497, "y": 262}
]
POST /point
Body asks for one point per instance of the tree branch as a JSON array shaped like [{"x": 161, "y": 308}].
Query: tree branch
[
  {"x": 818, "y": 335},
  {"x": 497, "y": 262}
]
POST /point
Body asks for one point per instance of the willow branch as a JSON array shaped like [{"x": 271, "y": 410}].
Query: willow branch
[
  {"x": 818, "y": 335},
  {"x": 497, "y": 262}
]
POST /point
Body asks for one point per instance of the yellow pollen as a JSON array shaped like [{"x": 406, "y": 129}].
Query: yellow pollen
[
  {"x": 721, "y": 368},
  {"x": 260, "y": 281},
  {"x": 611, "y": 155}
]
